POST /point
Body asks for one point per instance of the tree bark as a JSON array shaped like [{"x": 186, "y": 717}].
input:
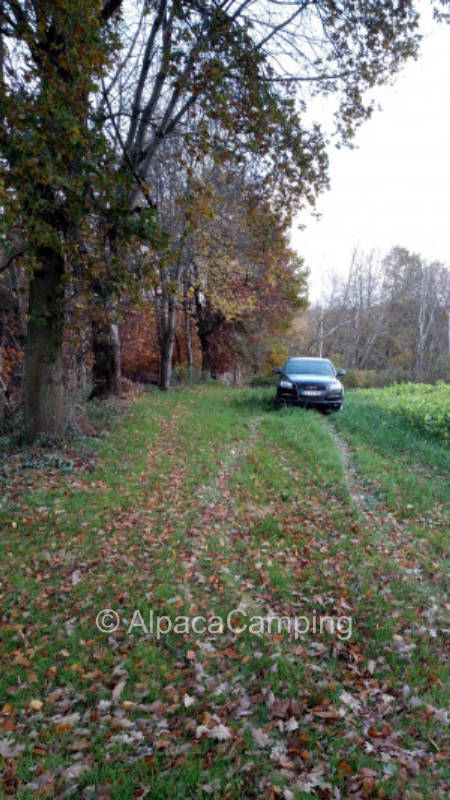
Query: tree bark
[
  {"x": 167, "y": 341},
  {"x": 187, "y": 333},
  {"x": 204, "y": 331},
  {"x": 206, "y": 357},
  {"x": 43, "y": 379},
  {"x": 106, "y": 371},
  {"x": 177, "y": 350}
]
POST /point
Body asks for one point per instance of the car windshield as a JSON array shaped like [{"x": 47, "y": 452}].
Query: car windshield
[{"x": 308, "y": 366}]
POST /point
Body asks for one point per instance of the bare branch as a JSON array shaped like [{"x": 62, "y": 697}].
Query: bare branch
[
  {"x": 10, "y": 260},
  {"x": 146, "y": 62}
]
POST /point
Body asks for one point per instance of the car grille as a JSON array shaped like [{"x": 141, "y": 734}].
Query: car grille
[{"x": 311, "y": 387}]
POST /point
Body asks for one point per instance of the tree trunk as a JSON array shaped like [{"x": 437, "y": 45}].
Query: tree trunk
[
  {"x": 204, "y": 337},
  {"x": 187, "y": 331},
  {"x": 43, "y": 379},
  {"x": 206, "y": 356},
  {"x": 178, "y": 350},
  {"x": 167, "y": 339},
  {"x": 206, "y": 362},
  {"x": 106, "y": 372}
]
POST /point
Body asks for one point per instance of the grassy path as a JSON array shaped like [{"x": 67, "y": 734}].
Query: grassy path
[{"x": 209, "y": 508}]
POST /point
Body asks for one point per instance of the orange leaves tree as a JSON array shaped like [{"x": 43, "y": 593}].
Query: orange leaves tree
[{"x": 245, "y": 280}]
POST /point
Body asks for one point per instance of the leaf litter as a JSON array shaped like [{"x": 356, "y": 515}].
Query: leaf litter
[{"x": 267, "y": 716}]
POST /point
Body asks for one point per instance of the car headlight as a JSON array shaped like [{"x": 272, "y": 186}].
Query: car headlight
[
  {"x": 285, "y": 384},
  {"x": 334, "y": 386}
]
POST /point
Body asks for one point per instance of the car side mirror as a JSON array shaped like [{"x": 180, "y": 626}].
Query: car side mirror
[
  {"x": 340, "y": 373},
  {"x": 278, "y": 371}
]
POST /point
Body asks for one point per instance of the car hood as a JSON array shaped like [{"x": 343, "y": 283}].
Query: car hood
[{"x": 319, "y": 379}]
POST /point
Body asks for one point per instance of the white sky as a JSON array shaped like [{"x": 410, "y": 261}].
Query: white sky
[{"x": 394, "y": 189}]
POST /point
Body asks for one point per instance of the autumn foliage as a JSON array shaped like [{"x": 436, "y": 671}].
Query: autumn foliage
[{"x": 157, "y": 155}]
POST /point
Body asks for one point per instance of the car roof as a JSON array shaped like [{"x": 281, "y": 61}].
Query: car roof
[{"x": 306, "y": 358}]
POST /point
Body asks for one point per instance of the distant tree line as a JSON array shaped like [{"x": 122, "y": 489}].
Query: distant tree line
[{"x": 391, "y": 314}]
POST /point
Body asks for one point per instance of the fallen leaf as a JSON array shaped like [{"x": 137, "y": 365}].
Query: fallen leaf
[
  {"x": 261, "y": 739},
  {"x": 117, "y": 691}
]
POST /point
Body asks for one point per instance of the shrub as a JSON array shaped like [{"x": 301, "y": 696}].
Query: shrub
[
  {"x": 182, "y": 374},
  {"x": 374, "y": 378}
]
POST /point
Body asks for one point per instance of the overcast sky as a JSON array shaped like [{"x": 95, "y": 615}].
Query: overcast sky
[{"x": 395, "y": 187}]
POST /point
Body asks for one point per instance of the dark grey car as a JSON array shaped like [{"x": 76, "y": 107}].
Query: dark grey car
[{"x": 310, "y": 382}]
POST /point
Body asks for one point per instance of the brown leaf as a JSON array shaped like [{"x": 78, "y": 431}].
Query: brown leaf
[
  {"x": 331, "y": 713},
  {"x": 261, "y": 739},
  {"x": 10, "y": 750},
  {"x": 280, "y": 709},
  {"x": 117, "y": 691}
]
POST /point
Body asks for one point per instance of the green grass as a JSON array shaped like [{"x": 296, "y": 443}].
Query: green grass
[
  {"x": 422, "y": 406},
  {"x": 408, "y": 468},
  {"x": 204, "y": 501}
]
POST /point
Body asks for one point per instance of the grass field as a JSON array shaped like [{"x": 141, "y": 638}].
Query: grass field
[
  {"x": 208, "y": 504},
  {"x": 423, "y": 407}
]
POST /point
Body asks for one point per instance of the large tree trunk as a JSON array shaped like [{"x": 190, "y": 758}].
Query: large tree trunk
[
  {"x": 106, "y": 369},
  {"x": 43, "y": 380}
]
